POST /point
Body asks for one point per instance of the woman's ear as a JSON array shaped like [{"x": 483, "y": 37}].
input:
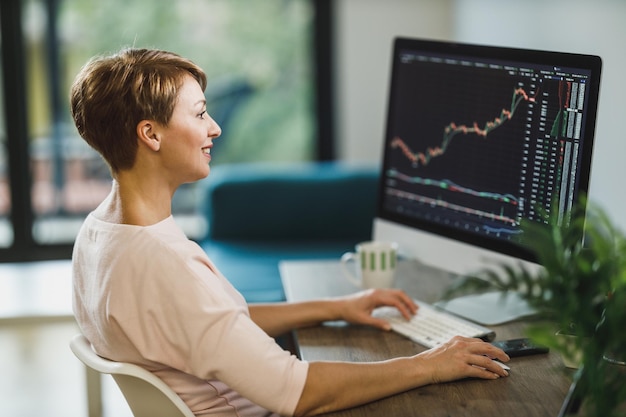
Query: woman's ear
[{"x": 148, "y": 135}]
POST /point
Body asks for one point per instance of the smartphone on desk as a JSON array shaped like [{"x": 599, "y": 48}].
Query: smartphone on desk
[{"x": 520, "y": 347}]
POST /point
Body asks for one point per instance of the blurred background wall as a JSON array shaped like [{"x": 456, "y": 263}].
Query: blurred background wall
[{"x": 364, "y": 33}]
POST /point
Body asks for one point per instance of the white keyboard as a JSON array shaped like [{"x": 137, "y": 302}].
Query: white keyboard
[{"x": 432, "y": 326}]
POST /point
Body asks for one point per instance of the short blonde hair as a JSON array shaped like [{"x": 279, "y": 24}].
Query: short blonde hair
[{"x": 112, "y": 94}]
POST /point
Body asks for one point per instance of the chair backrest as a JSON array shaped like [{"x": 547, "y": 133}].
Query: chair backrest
[{"x": 147, "y": 395}]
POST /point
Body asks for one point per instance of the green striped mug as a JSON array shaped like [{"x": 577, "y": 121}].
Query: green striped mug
[{"x": 374, "y": 264}]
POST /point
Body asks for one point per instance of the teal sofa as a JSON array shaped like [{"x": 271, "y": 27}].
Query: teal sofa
[{"x": 259, "y": 214}]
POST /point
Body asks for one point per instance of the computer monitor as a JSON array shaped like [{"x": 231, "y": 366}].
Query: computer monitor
[{"x": 477, "y": 139}]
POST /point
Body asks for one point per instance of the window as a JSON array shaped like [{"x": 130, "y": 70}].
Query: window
[{"x": 266, "y": 82}]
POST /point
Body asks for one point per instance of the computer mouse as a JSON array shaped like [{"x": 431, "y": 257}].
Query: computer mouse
[{"x": 503, "y": 365}]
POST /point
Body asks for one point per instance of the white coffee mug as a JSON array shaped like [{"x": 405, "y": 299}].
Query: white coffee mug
[{"x": 374, "y": 264}]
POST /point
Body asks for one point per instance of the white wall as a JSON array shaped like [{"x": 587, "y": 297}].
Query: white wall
[
  {"x": 365, "y": 29},
  {"x": 364, "y": 32}
]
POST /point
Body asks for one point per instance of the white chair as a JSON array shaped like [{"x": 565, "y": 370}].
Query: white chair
[{"x": 147, "y": 395}]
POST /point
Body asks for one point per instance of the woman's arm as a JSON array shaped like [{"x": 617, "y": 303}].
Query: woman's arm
[
  {"x": 278, "y": 318},
  {"x": 332, "y": 386}
]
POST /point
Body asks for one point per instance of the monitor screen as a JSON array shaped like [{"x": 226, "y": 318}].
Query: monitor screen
[{"x": 477, "y": 139}]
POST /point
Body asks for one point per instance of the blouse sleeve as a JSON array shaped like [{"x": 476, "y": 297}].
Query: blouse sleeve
[{"x": 188, "y": 317}]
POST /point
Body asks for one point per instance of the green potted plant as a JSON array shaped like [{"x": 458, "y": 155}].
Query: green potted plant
[{"x": 581, "y": 292}]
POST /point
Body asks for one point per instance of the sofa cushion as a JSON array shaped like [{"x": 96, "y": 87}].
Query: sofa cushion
[
  {"x": 261, "y": 214},
  {"x": 305, "y": 201}
]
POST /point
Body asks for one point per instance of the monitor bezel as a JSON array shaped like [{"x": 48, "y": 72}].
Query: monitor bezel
[{"x": 592, "y": 63}]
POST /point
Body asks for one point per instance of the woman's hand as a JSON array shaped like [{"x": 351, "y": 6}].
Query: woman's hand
[
  {"x": 357, "y": 308},
  {"x": 277, "y": 318},
  {"x": 463, "y": 357}
]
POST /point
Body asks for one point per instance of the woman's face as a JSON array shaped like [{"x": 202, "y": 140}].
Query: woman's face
[{"x": 187, "y": 140}]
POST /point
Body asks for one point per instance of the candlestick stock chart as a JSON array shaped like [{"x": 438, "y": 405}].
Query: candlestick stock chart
[{"x": 485, "y": 152}]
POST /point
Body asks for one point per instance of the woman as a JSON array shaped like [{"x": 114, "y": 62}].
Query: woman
[{"x": 144, "y": 293}]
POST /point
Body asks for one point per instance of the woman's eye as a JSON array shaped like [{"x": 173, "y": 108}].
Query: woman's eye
[{"x": 201, "y": 115}]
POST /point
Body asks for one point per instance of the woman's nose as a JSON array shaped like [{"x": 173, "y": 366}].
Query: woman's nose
[{"x": 214, "y": 129}]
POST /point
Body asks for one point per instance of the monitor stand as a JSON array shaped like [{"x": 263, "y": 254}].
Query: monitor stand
[{"x": 489, "y": 309}]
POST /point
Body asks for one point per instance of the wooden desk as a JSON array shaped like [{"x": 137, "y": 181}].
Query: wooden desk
[{"x": 536, "y": 387}]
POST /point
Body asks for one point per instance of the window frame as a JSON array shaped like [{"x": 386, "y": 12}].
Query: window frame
[{"x": 24, "y": 247}]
